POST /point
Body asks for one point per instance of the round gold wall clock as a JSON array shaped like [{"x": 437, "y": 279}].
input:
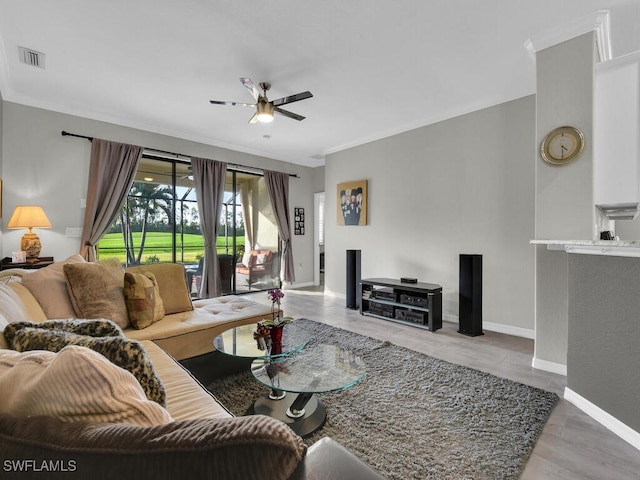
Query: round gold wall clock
[{"x": 562, "y": 146}]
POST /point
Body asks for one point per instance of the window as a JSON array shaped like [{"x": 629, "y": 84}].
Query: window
[{"x": 159, "y": 222}]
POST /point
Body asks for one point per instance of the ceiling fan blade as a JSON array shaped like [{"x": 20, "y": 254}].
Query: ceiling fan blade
[
  {"x": 251, "y": 87},
  {"x": 233, "y": 104},
  {"x": 292, "y": 98},
  {"x": 286, "y": 113},
  {"x": 254, "y": 119}
]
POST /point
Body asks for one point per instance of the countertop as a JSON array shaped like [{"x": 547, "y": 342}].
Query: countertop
[{"x": 620, "y": 248}]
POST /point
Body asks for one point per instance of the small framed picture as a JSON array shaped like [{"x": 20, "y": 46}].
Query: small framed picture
[{"x": 298, "y": 218}]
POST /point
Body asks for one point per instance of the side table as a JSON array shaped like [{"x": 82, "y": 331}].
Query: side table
[{"x": 39, "y": 262}]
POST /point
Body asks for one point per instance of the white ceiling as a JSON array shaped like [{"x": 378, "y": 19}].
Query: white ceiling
[{"x": 375, "y": 68}]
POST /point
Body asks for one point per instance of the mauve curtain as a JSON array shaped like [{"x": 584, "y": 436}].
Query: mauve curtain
[
  {"x": 209, "y": 177},
  {"x": 111, "y": 173},
  {"x": 278, "y": 188}
]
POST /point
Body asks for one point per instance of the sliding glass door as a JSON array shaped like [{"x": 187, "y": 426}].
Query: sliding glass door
[
  {"x": 250, "y": 232},
  {"x": 160, "y": 223}
]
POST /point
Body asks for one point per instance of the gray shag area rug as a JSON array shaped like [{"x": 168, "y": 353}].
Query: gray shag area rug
[{"x": 417, "y": 417}]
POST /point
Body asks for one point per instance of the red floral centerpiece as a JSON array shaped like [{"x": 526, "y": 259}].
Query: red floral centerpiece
[{"x": 269, "y": 331}]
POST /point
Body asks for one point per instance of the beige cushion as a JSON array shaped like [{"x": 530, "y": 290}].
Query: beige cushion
[
  {"x": 186, "y": 398},
  {"x": 142, "y": 298},
  {"x": 74, "y": 385},
  {"x": 172, "y": 284},
  {"x": 11, "y": 307},
  {"x": 31, "y": 305},
  {"x": 3, "y": 324},
  {"x": 188, "y": 334},
  {"x": 49, "y": 287},
  {"x": 97, "y": 291}
]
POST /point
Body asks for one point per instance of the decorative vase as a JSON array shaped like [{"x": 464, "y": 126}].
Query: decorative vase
[{"x": 276, "y": 340}]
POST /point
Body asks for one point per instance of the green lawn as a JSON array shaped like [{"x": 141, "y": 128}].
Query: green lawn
[{"x": 159, "y": 244}]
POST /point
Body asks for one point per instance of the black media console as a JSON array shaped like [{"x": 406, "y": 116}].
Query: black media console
[{"x": 416, "y": 304}]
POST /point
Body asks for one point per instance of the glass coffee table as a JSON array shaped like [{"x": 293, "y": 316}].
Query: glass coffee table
[{"x": 316, "y": 369}]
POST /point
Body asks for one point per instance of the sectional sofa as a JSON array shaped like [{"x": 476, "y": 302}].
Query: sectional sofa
[{"x": 100, "y": 393}]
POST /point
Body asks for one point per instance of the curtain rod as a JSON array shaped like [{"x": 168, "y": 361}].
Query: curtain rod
[{"x": 155, "y": 150}]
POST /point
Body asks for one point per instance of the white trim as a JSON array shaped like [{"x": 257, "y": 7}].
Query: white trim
[
  {"x": 625, "y": 432},
  {"x": 291, "y": 286},
  {"x": 453, "y": 112},
  {"x": 509, "y": 330},
  {"x": 598, "y": 22},
  {"x": 496, "y": 327},
  {"x": 333, "y": 294},
  {"x": 547, "y": 366}
]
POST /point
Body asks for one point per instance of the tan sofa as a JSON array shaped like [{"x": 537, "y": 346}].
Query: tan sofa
[
  {"x": 197, "y": 436},
  {"x": 185, "y": 331}
]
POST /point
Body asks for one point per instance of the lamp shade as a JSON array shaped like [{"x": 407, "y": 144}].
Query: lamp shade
[{"x": 29, "y": 216}]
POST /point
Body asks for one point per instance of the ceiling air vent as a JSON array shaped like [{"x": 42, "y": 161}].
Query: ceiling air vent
[{"x": 31, "y": 57}]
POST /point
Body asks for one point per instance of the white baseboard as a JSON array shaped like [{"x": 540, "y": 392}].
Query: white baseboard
[
  {"x": 331, "y": 293},
  {"x": 289, "y": 286},
  {"x": 625, "y": 432},
  {"x": 496, "y": 327},
  {"x": 547, "y": 366}
]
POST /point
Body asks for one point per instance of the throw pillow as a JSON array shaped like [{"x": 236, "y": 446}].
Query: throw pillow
[
  {"x": 91, "y": 328},
  {"x": 238, "y": 448},
  {"x": 49, "y": 286},
  {"x": 143, "y": 300},
  {"x": 260, "y": 258},
  {"x": 125, "y": 353},
  {"x": 172, "y": 283},
  {"x": 112, "y": 262},
  {"x": 31, "y": 305},
  {"x": 11, "y": 307},
  {"x": 246, "y": 258},
  {"x": 74, "y": 385},
  {"x": 96, "y": 291},
  {"x": 3, "y": 325}
]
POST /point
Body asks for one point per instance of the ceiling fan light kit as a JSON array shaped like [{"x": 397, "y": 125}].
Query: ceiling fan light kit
[
  {"x": 264, "y": 113},
  {"x": 264, "y": 108}
]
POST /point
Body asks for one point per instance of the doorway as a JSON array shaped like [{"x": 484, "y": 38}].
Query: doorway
[{"x": 318, "y": 239}]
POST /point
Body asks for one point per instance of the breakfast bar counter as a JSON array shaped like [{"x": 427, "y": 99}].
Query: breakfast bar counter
[
  {"x": 603, "y": 360},
  {"x": 617, "y": 248}
]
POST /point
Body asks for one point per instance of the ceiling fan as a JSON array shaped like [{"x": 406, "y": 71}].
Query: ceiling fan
[{"x": 264, "y": 107}]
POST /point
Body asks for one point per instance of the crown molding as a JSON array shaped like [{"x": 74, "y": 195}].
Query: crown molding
[{"x": 597, "y": 22}]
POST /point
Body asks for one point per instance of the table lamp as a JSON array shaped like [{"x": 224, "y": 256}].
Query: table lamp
[{"x": 29, "y": 216}]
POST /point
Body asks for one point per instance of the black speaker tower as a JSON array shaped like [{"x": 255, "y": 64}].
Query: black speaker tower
[
  {"x": 470, "y": 314},
  {"x": 353, "y": 278}
]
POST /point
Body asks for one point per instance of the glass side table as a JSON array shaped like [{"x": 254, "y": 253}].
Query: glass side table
[{"x": 319, "y": 369}]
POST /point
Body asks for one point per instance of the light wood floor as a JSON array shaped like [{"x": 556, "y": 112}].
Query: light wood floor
[{"x": 572, "y": 446}]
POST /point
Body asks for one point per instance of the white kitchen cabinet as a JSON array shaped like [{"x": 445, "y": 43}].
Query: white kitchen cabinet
[{"x": 616, "y": 143}]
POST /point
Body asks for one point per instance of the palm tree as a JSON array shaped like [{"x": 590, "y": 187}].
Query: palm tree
[{"x": 145, "y": 201}]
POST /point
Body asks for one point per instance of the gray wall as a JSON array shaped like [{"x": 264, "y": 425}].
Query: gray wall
[
  {"x": 42, "y": 167},
  {"x": 465, "y": 185},
  {"x": 604, "y": 329},
  {"x": 564, "y": 195}
]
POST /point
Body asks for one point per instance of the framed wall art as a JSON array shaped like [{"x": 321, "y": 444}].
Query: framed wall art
[
  {"x": 298, "y": 219},
  {"x": 352, "y": 203}
]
